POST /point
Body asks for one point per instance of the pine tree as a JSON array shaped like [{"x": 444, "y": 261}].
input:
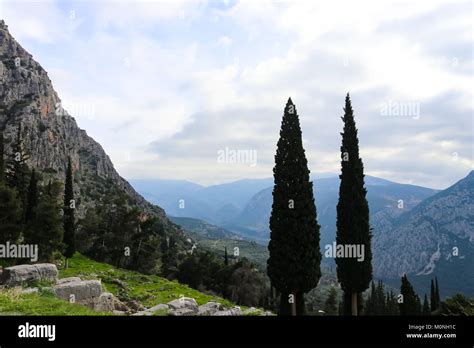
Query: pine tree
[
  {"x": 410, "y": 304},
  {"x": 438, "y": 297},
  {"x": 392, "y": 305},
  {"x": 433, "y": 296},
  {"x": 294, "y": 262},
  {"x": 370, "y": 304},
  {"x": 10, "y": 215},
  {"x": 2, "y": 159},
  {"x": 226, "y": 257},
  {"x": 353, "y": 214},
  {"x": 68, "y": 218},
  {"x": 48, "y": 223},
  {"x": 330, "y": 305},
  {"x": 426, "y": 306},
  {"x": 32, "y": 197},
  {"x": 17, "y": 171}
]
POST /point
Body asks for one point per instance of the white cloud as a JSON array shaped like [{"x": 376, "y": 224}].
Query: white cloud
[{"x": 189, "y": 77}]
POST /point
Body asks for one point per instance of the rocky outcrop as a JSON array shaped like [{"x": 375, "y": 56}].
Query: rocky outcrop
[
  {"x": 422, "y": 240},
  {"x": 50, "y": 134},
  {"x": 186, "y": 306},
  {"x": 83, "y": 291},
  {"x": 17, "y": 275}
]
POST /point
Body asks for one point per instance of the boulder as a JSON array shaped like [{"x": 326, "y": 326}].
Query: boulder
[
  {"x": 184, "y": 302},
  {"x": 209, "y": 308},
  {"x": 158, "y": 307},
  {"x": 182, "y": 312},
  {"x": 120, "y": 306},
  {"x": 30, "y": 291},
  {"x": 16, "y": 275},
  {"x": 104, "y": 303},
  {"x": 142, "y": 313},
  {"x": 135, "y": 306},
  {"x": 84, "y": 291},
  {"x": 68, "y": 280},
  {"x": 229, "y": 312}
]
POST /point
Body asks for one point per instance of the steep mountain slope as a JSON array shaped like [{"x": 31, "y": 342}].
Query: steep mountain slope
[
  {"x": 422, "y": 241},
  {"x": 50, "y": 134}
]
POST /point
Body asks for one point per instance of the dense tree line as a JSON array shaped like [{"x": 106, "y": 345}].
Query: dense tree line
[
  {"x": 239, "y": 281},
  {"x": 30, "y": 212}
]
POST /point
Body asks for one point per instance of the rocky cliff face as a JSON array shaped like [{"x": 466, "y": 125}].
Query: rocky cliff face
[
  {"x": 436, "y": 237},
  {"x": 50, "y": 134}
]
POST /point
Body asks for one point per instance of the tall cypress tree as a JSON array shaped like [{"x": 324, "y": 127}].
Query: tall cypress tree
[
  {"x": 426, "y": 306},
  {"x": 438, "y": 297},
  {"x": 353, "y": 214},
  {"x": 32, "y": 197},
  {"x": 17, "y": 171},
  {"x": 433, "y": 296},
  {"x": 2, "y": 160},
  {"x": 69, "y": 223},
  {"x": 295, "y": 257},
  {"x": 226, "y": 257},
  {"x": 411, "y": 302}
]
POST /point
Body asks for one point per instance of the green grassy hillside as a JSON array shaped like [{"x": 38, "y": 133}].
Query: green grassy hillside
[{"x": 148, "y": 290}]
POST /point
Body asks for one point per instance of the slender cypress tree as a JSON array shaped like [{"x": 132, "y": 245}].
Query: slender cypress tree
[
  {"x": 410, "y": 304},
  {"x": 69, "y": 223},
  {"x": 353, "y": 214},
  {"x": 295, "y": 257},
  {"x": 2, "y": 160},
  {"x": 32, "y": 197},
  {"x": 433, "y": 296},
  {"x": 226, "y": 257},
  {"x": 17, "y": 171},
  {"x": 426, "y": 306},
  {"x": 438, "y": 297}
]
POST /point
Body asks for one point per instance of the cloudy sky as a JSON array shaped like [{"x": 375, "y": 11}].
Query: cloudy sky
[{"x": 166, "y": 87}]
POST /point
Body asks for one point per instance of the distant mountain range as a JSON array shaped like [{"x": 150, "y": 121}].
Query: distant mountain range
[
  {"x": 244, "y": 206},
  {"x": 414, "y": 228}
]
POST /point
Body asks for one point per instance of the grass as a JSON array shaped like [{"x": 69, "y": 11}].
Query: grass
[
  {"x": 149, "y": 290},
  {"x": 12, "y": 302}
]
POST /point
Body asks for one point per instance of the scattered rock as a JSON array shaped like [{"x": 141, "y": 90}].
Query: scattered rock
[
  {"x": 104, "y": 303},
  {"x": 68, "y": 280},
  {"x": 142, "y": 313},
  {"x": 209, "y": 308},
  {"x": 116, "y": 312},
  {"x": 120, "y": 306},
  {"x": 180, "y": 312},
  {"x": 84, "y": 291},
  {"x": 30, "y": 291},
  {"x": 135, "y": 306},
  {"x": 158, "y": 307},
  {"x": 16, "y": 275},
  {"x": 229, "y": 312},
  {"x": 184, "y": 302}
]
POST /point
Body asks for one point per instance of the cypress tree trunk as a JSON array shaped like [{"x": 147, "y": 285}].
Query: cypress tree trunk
[
  {"x": 294, "y": 262},
  {"x": 354, "y": 303},
  {"x": 353, "y": 216}
]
